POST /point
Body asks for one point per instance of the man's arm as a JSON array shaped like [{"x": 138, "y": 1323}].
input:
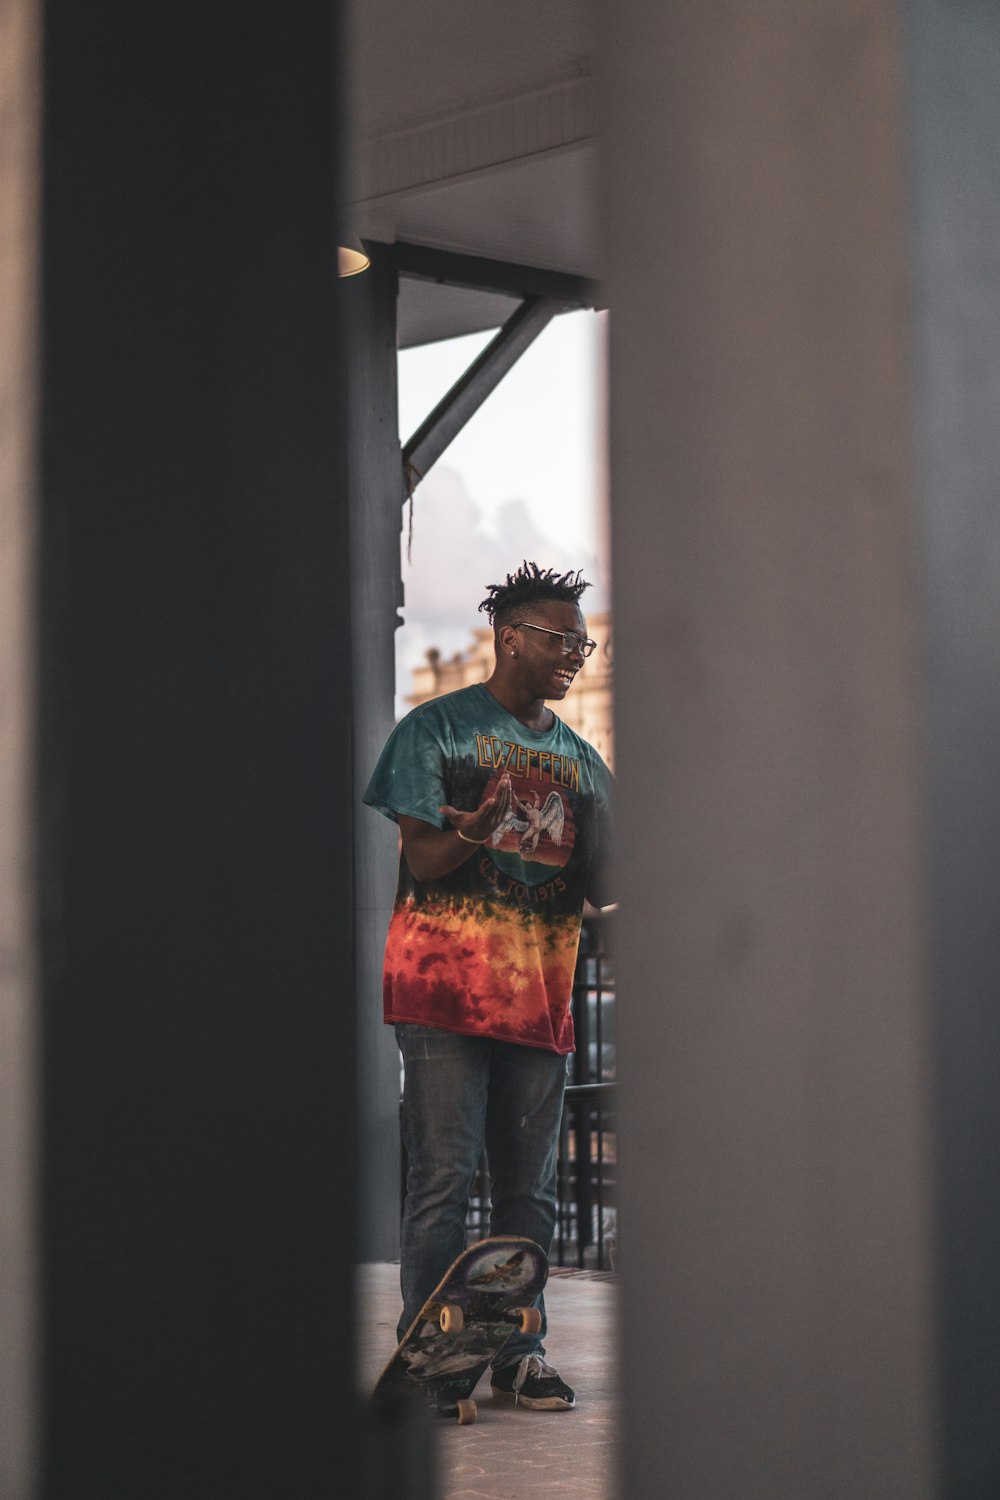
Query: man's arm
[
  {"x": 599, "y": 890},
  {"x": 433, "y": 852}
]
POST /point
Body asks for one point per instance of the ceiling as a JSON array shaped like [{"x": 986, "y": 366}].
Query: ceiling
[{"x": 473, "y": 132}]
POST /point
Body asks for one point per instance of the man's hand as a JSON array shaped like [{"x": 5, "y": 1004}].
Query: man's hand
[
  {"x": 484, "y": 822},
  {"x": 433, "y": 852}
]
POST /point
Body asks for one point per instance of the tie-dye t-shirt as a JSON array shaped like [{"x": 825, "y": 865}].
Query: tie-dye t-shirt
[{"x": 490, "y": 949}]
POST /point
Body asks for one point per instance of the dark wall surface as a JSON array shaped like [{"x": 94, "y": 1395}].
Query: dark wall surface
[
  {"x": 953, "y": 54},
  {"x": 195, "y": 785}
]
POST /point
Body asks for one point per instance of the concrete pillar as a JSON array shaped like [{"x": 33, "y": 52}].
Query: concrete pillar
[
  {"x": 195, "y": 1215},
  {"x": 376, "y": 496},
  {"x": 777, "y": 1124}
]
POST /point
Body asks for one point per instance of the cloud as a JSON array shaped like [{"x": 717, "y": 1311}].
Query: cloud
[
  {"x": 455, "y": 554},
  {"x": 520, "y": 536}
]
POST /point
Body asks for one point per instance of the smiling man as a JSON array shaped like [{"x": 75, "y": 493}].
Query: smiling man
[{"x": 503, "y": 812}]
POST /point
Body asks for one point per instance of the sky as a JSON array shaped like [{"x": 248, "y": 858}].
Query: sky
[{"x": 525, "y": 478}]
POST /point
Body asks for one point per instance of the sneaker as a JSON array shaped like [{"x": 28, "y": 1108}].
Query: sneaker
[{"x": 532, "y": 1383}]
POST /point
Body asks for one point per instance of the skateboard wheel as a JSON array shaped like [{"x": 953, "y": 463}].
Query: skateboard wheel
[
  {"x": 529, "y": 1320},
  {"x": 452, "y": 1318},
  {"x": 467, "y": 1413}
]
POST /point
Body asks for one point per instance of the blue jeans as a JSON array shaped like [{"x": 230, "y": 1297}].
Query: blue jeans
[{"x": 460, "y": 1092}]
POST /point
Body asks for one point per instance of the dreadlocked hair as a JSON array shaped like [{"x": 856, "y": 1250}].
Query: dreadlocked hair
[{"x": 530, "y": 585}]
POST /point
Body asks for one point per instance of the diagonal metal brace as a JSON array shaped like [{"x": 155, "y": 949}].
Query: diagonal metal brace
[{"x": 469, "y": 392}]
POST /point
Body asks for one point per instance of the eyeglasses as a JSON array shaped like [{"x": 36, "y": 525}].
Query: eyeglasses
[{"x": 570, "y": 640}]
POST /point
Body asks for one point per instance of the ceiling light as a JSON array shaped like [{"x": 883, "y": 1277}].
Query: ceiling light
[{"x": 351, "y": 257}]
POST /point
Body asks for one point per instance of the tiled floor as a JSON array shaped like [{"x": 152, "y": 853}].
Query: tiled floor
[{"x": 510, "y": 1454}]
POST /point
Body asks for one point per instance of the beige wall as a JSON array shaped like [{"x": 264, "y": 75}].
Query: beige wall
[
  {"x": 775, "y": 1108},
  {"x": 19, "y": 177}
]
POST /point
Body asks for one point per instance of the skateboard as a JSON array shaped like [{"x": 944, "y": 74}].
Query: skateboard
[{"x": 487, "y": 1295}]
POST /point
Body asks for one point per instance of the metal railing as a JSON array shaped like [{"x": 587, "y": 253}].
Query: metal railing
[{"x": 587, "y": 1223}]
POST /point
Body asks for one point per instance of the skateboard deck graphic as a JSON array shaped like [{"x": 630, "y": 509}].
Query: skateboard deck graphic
[{"x": 488, "y": 1294}]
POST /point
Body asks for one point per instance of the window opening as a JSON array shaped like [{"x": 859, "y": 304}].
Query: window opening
[{"x": 525, "y": 478}]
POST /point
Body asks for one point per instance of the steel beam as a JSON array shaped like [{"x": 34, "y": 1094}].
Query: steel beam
[
  {"x": 469, "y": 392},
  {"x": 376, "y": 494},
  {"x": 425, "y": 263}
]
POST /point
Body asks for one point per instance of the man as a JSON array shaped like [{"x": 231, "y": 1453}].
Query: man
[{"x": 503, "y": 814}]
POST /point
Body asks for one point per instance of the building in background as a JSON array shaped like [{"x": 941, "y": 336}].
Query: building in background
[{"x": 587, "y": 707}]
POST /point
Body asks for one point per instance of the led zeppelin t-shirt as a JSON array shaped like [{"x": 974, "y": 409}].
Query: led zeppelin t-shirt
[{"x": 490, "y": 949}]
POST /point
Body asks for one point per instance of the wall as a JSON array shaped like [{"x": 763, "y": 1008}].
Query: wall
[{"x": 776, "y": 1121}]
